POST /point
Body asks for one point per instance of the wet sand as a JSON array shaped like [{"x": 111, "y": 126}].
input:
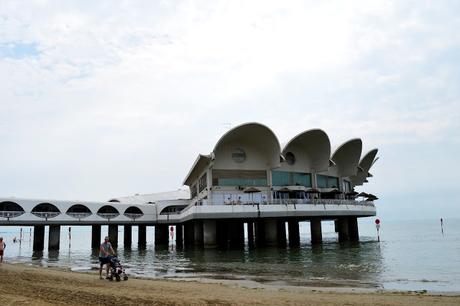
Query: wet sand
[{"x": 26, "y": 285}]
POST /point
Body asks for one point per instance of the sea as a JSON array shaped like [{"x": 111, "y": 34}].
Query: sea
[{"x": 412, "y": 255}]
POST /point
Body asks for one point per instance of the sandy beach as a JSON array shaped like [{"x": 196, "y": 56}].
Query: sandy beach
[{"x": 26, "y": 285}]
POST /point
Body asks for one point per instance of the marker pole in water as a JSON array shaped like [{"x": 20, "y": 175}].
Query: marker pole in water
[
  {"x": 20, "y": 236},
  {"x": 377, "y": 226},
  {"x": 442, "y": 228},
  {"x": 70, "y": 236}
]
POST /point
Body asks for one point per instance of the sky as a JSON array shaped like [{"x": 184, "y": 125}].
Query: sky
[{"x": 100, "y": 99}]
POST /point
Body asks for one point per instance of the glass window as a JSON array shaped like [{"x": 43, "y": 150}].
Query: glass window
[
  {"x": 193, "y": 191},
  {"x": 202, "y": 182},
  {"x": 333, "y": 182},
  {"x": 238, "y": 155},
  {"x": 324, "y": 181},
  {"x": 301, "y": 179},
  {"x": 321, "y": 181},
  {"x": 241, "y": 182},
  {"x": 280, "y": 178},
  {"x": 239, "y": 177},
  {"x": 347, "y": 186},
  {"x": 284, "y": 178},
  {"x": 290, "y": 158}
]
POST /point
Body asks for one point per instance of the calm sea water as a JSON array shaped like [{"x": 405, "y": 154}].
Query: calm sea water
[{"x": 412, "y": 255}]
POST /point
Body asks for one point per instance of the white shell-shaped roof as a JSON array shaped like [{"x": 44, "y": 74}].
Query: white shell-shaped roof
[
  {"x": 368, "y": 160},
  {"x": 255, "y": 135},
  {"x": 365, "y": 164},
  {"x": 346, "y": 157},
  {"x": 314, "y": 146}
]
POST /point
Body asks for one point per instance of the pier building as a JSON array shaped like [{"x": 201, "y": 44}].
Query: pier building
[{"x": 248, "y": 188}]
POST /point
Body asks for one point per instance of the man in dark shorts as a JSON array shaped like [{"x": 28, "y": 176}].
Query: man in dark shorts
[
  {"x": 2, "y": 248},
  {"x": 104, "y": 252}
]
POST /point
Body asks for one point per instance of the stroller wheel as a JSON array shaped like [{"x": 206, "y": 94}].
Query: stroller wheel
[
  {"x": 117, "y": 277},
  {"x": 125, "y": 278}
]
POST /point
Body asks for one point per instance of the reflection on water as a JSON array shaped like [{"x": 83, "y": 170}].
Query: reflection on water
[{"x": 394, "y": 263}]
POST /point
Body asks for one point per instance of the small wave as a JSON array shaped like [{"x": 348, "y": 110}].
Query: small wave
[{"x": 423, "y": 280}]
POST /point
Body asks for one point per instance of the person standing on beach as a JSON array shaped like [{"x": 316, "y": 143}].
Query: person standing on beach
[
  {"x": 104, "y": 252},
  {"x": 2, "y": 248}
]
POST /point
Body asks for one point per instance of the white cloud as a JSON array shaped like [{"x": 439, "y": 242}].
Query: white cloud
[{"x": 120, "y": 89}]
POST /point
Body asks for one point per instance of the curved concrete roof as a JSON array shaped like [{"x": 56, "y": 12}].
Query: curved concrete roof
[
  {"x": 368, "y": 160},
  {"x": 365, "y": 164},
  {"x": 255, "y": 135},
  {"x": 314, "y": 146},
  {"x": 346, "y": 157},
  {"x": 179, "y": 194},
  {"x": 197, "y": 168}
]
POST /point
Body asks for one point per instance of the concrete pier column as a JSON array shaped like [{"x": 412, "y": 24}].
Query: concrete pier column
[
  {"x": 113, "y": 235},
  {"x": 142, "y": 235},
  {"x": 236, "y": 233},
  {"x": 259, "y": 227},
  {"x": 222, "y": 233},
  {"x": 271, "y": 231},
  {"x": 189, "y": 233},
  {"x": 353, "y": 228},
  {"x": 161, "y": 234},
  {"x": 54, "y": 237},
  {"x": 342, "y": 226},
  {"x": 209, "y": 233},
  {"x": 198, "y": 232},
  {"x": 127, "y": 236},
  {"x": 316, "y": 231},
  {"x": 250, "y": 233},
  {"x": 179, "y": 235},
  {"x": 294, "y": 233},
  {"x": 281, "y": 232},
  {"x": 39, "y": 237},
  {"x": 95, "y": 236}
]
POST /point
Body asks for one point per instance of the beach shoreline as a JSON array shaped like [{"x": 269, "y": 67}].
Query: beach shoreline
[{"x": 26, "y": 284}]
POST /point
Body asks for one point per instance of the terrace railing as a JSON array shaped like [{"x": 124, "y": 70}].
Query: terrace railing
[{"x": 290, "y": 202}]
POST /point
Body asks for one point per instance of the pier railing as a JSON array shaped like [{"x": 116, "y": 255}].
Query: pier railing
[
  {"x": 10, "y": 214},
  {"x": 290, "y": 202},
  {"x": 285, "y": 202},
  {"x": 46, "y": 215}
]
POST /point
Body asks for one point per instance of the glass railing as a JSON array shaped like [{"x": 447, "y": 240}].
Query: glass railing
[
  {"x": 289, "y": 202},
  {"x": 46, "y": 215},
  {"x": 11, "y": 214},
  {"x": 79, "y": 215}
]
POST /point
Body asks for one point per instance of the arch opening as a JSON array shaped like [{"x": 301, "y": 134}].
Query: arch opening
[
  {"x": 133, "y": 212},
  {"x": 108, "y": 212},
  {"x": 46, "y": 210},
  {"x": 79, "y": 211},
  {"x": 10, "y": 209},
  {"x": 172, "y": 209}
]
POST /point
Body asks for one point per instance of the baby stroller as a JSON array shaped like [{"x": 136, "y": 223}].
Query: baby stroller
[{"x": 116, "y": 269}]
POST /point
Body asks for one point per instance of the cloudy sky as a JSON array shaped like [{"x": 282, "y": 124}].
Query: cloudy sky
[{"x": 109, "y": 98}]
